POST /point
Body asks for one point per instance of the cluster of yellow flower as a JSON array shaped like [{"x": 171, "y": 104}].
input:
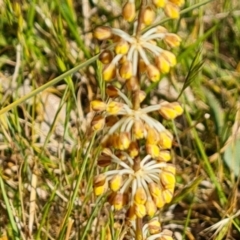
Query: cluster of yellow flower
[
  {"x": 143, "y": 190},
  {"x": 171, "y": 9},
  {"x": 136, "y": 146},
  {"x": 135, "y": 53}
]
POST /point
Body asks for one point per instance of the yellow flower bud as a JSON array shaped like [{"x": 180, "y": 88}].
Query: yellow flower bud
[
  {"x": 167, "y": 195},
  {"x": 167, "y": 178},
  {"x": 165, "y": 140},
  {"x": 170, "y": 57},
  {"x": 97, "y": 105},
  {"x": 133, "y": 149},
  {"x": 109, "y": 72},
  {"x": 122, "y": 47},
  {"x": 171, "y": 10},
  {"x": 159, "y": 3},
  {"x": 102, "y": 33},
  {"x": 170, "y": 188},
  {"x": 114, "y": 108},
  {"x": 164, "y": 156},
  {"x": 162, "y": 64},
  {"x": 118, "y": 201},
  {"x": 128, "y": 11},
  {"x": 173, "y": 40},
  {"x": 125, "y": 70},
  {"x": 133, "y": 84},
  {"x": 150, "y": 208},
  {"x": 153, "y": 150},
  {"x": 155, "y": 190},
  {"x": 99, "y": 184},
  {"x": 123, "y": 141},
  {"x": 154, "y": 227},
  {"x": 152, "y": 136},
  {"x": 98, "y": 123},
  {"x": 159, "y": 201},
  {"x": 99, "y": 190},
  {"x": 140, "y": 210},
  {"x": 153, "y": 73},
  {"x": 106, "y": 56},
  {"x": 138, "y": 129},
  {"x": 140, "y": 196},
  {"x": 170, "y": 110},
  {"x": 116, "y": 182},
  {"x": 148, "y": 16}
]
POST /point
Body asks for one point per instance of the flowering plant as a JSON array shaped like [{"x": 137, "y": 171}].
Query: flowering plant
[{"x": 136, "y": 146}]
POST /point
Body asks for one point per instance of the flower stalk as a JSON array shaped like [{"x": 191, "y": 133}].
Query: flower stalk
[{"x": 136, "y": 145}]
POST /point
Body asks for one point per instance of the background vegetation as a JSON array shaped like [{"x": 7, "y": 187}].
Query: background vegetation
[{"x": 48, "y": 153}]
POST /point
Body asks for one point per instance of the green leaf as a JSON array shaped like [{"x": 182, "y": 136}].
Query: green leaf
[
  {"x": 216, "y": 110},
  {"x": 231, "y": 156}
]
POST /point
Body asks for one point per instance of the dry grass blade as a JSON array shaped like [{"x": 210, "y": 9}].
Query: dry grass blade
[{"x": 32, "y": 206}]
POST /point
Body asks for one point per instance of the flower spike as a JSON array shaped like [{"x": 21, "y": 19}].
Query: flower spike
[{"x": 136, "y": 153}]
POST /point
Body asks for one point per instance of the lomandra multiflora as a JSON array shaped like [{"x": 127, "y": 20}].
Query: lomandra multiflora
[{"x": 136, "y": 146}]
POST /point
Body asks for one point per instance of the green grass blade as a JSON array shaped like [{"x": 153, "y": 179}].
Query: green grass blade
[
  {"x": 9, "y": 210},
  {"x": 47, "y": 85},
  {"x": 195, "y": 67}
]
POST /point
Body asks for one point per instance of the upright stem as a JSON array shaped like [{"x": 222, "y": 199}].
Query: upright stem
[
  {"x": 142, "y": 5},
  {"x": 136, "y": 104},
  {"x": 137, "y": 162},
  {"x": 139, "y": 226},
  {"x": 136, "y": 100}
]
